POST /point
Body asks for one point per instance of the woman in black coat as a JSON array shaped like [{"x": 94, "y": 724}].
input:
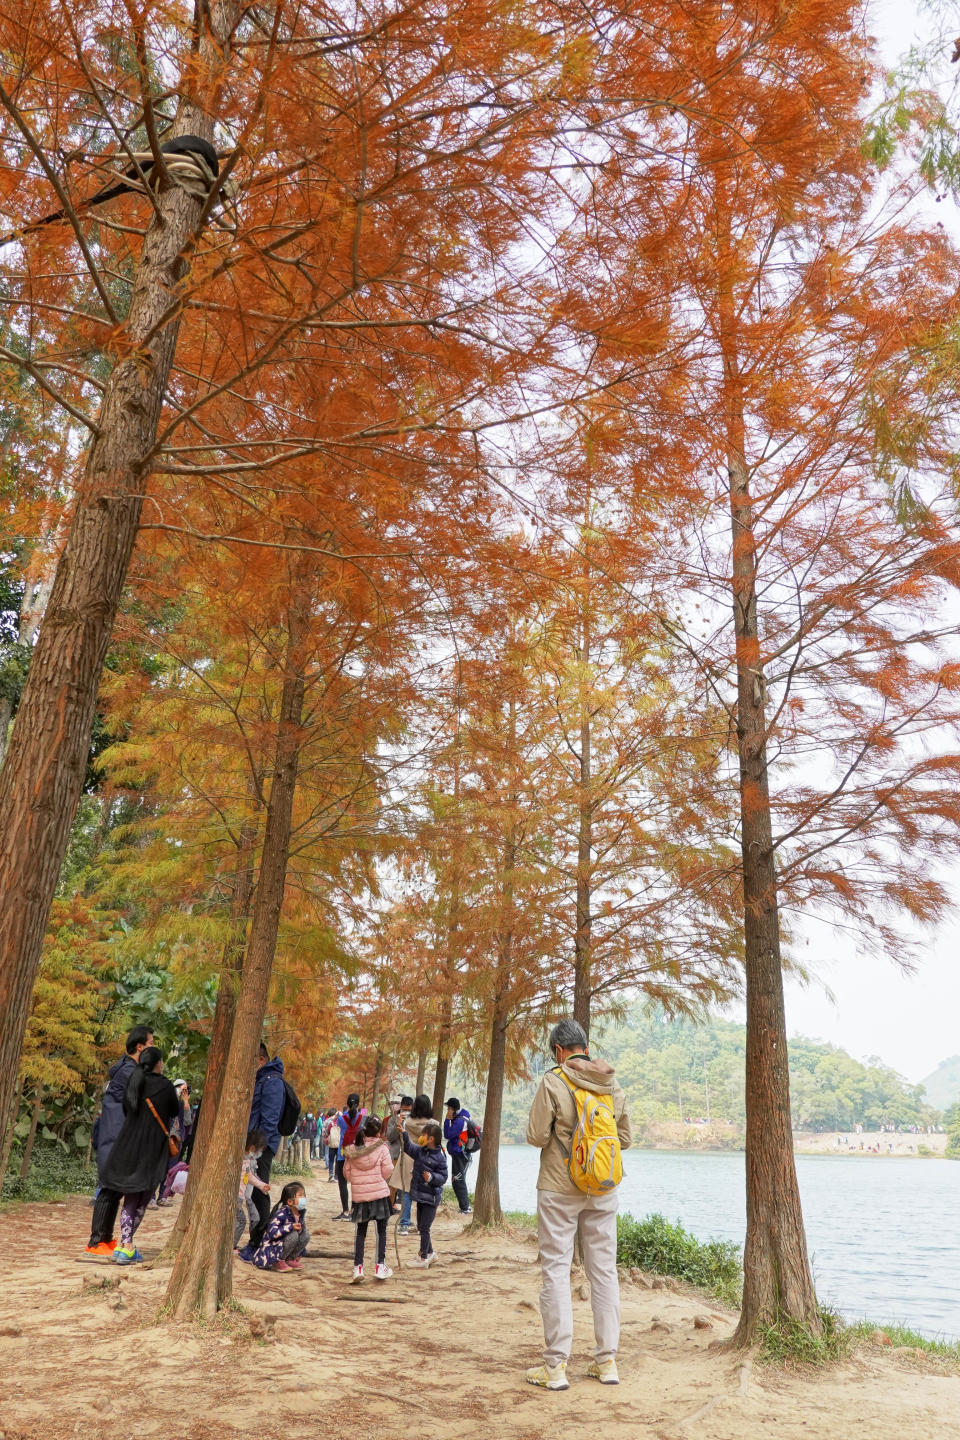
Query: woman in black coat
[{"x": 140, "y": 1155}]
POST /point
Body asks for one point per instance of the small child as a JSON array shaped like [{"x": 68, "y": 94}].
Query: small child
[
  {"x": 426, "y": 1187},
  {"x": 368, "y": 1165},
  {"x": 249, "y": 1181},
  {"x": 286, "y": 1235}
]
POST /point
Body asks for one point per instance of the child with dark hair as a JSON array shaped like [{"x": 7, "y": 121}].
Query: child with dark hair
[
  {"x": 286, "y": 1235},
  {"x": 426, "y": 1186},
  {"x": 367, "y": 1165},
  {"x": 249, "y": 1181},
  {"x": 421, "y": 1113}
]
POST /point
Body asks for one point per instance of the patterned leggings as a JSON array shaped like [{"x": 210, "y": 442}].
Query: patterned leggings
[{"x": 134, "y": 1209}]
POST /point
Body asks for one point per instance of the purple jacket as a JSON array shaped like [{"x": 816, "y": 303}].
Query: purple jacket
[{"x": 429, "y": 1172}]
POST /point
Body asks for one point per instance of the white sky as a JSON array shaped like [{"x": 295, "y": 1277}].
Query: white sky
[{"x": 868, "y": 1006}]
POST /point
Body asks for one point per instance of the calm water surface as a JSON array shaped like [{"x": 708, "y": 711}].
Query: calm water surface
[{"x": 882, "y": 1233}]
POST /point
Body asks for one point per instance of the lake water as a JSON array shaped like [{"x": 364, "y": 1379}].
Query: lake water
[{"x": 882, "y": 1234}]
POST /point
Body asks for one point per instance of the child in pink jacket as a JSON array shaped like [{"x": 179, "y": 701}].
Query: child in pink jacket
[{"x": 368, "y": 1165}]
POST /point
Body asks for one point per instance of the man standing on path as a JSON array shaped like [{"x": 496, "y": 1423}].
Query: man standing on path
[
  {"x": 268, "y": 1099},
  {"x": 562, "y": 1206},
  {"x": 455, "y": 1128},
  {"x": 109, "y": 1126}
]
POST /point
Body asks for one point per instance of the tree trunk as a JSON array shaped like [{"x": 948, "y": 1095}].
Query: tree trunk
[
  {"x": 41, "y": 779},
  {"x": 202, "y": 1275},
  {"x": 32, "y": 1134},
  {"x": 8, "y": 1130},
  {"x": 486, "y": 1196},
  {"x": 223, "y": 1021},
  {"x": 777, "y": 1283},
  {"x": 6, "y": 709},
  {"x": 377, "y": 1075},
  {"x": 582, "y": 945},
  {"x": 443, "y": 1057},
  {"x": 421, "y": 1072}
]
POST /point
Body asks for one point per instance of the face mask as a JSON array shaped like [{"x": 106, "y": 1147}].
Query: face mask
[{"x": 302, "y": 1203}]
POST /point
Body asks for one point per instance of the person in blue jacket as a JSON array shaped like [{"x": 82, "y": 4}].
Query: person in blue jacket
[
  {"x": 426, "y": 1186},
  {"x": 455, "y": 1134},
  {"x": 265, "y": 1111}
]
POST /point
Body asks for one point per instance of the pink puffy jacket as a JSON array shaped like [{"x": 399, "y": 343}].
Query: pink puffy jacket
[{"x": 368, "y": 1169}]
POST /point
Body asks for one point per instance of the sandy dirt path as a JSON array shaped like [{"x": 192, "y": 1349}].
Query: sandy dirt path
[{"x": 443, "y": 1361}]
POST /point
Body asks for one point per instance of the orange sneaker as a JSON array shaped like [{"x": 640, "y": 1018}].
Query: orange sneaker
[{"x": 106, "y": 1247}]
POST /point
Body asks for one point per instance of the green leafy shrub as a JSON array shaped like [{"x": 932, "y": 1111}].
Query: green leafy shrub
[
  {"x": 54, "y": 1171},
  {"x": 654, "y": 1244}
]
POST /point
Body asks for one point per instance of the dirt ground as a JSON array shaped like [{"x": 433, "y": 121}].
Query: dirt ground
[{"x": 81, "y": 1354}]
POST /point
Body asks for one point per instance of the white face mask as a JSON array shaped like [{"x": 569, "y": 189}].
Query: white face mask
[{"x": 302, "y": 1203}]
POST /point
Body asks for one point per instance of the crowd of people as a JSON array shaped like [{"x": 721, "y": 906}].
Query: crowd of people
[{"x": 383, "y": 1167}]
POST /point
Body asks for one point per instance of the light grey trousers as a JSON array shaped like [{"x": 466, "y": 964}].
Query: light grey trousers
[{"x": 558, "y": 1216}]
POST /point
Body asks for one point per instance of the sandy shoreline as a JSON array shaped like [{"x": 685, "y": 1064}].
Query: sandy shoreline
[
  {"x": 717, "y": 1138},
  {"x": 80, "y": 1354}
]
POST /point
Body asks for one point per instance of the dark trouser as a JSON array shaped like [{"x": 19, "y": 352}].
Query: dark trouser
[
  {"x": 105, "y": 1209},
  {"x": 295, "y": 1242},
  {"x": 425, "y": 1214},
  {"x": 342, "y": 1182},
  {"x": 459, "y": 1165},
  {"x": 261, "y": 1202},
  {"x": 331, "y": 1159},
  {"x": 361, "y": 1240}
]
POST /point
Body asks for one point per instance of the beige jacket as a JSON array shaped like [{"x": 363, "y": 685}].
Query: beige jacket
[{"x": 553, "y": 1117}]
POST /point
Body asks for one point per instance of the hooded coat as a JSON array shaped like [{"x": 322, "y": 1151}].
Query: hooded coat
[
  {"x": 269, "y": 1095},
  {"x": 429, "y": 1171},
  {"x": 368, "y": 1168},
  {"x": 403, "y": 1170},
  {"x": 111, "y": 1110},
  {"x": 140, "y": 1156},
  {"x": 553, "y": 1117}
]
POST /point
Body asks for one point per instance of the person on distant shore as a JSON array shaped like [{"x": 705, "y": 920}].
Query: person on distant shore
[
  {"x": 426, "y": 1183},
  {"x": 139, "y": 1155},
  {"x": 455, "y": 1132},
  {"x": 349, "y": 1123},
  {"x": 421, "y": 1114},
  {"x": 266, "y": 1109},
  {"x": 285, "y": 1236},
  {"x": 562, "y": 1205},
  {"x": 368, "y": 1167}
]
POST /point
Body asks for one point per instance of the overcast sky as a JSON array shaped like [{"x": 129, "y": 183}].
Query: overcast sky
[{"x": 868, "y": 1006}]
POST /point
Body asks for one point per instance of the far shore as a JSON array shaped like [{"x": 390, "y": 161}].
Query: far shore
[{"x": 717, "y": 1138}]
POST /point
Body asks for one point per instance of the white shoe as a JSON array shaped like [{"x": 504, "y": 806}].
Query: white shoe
[
  {"x": 383, "y": 1272},
  {"x": 357, "y": 1275},
  {"x": 605, "y": 1371},
  {"x": 549, "y": 1377},
  {"x": 419, "y": 1264}
]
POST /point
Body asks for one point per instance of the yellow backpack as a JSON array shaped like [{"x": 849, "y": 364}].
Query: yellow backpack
[{"x": 594, "y": 1160}]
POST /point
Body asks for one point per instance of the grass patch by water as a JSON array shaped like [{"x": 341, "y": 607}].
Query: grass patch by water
[
  {"x": 901, "y": 1336},
  {"x": 656, "y": 1245}
]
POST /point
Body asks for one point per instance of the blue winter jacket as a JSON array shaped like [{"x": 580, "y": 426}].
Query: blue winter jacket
[
  {"x": 268, "y": 1101},
  {"x": 111, "y": 1109},
  {"x": 453, "y": 1129},
  {"x": 429, "y": 1172}
]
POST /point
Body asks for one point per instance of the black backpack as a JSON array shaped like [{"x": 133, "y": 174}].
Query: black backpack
[
  {"x": 290, "y": 1113},
  {"x": 474, "y": 1138}
]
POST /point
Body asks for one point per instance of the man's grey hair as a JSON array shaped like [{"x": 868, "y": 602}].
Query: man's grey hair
[{"x": 569, "y": 1035}]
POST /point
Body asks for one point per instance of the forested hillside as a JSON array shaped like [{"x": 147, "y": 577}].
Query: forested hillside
[{"x": 664, "y": 1065}]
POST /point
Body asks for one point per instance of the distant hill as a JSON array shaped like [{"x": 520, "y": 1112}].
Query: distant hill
[
  {"x": 943, "y": 1084},
  {"x": 674, "y": 1069}
]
